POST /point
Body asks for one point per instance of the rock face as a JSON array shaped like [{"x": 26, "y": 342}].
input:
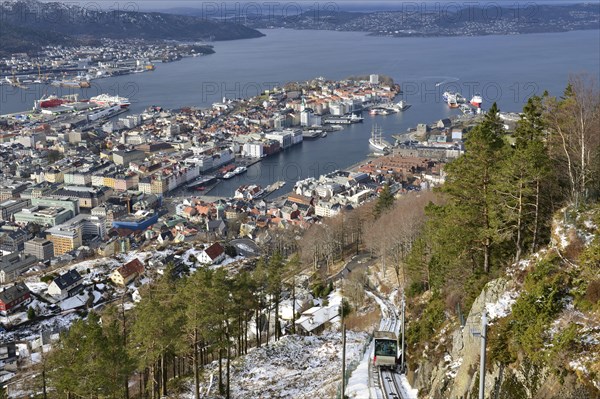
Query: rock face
[
  {"x": 456, "y": 376},
  {"x": 467, "y": 346}
]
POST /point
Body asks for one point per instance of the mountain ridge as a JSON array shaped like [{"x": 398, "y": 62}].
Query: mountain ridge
[{"x": 61, "y": 24}]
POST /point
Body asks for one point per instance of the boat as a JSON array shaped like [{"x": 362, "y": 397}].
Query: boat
[
  {"x": 228, "y": 175},
  {"x": 452, "y": 103},
  {"x": 356, "y": 118},
  {"x": 476, "y": 101},
  {"x": 324, "y": 134},
  {"x": 379, "y": 111},
  {"x": 451, "y": 99},
  {"x": 105, "y": 99},
  {"x": 54, "y": 101},
  {"x": 466, "y": 109},
  {"x": 402, "y": 105},
  {"x": 239, "y": 170},
  {"x": 376, "y": 141}
]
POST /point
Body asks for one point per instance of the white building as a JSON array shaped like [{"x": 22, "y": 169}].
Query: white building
[
  {"x": 65, "y": 285},
  {"x": 253, "y": 149},
  {"x": 308, "y": 118},
  {"x": 284, "y": 138},
  {"x": 213, "y": 254}
]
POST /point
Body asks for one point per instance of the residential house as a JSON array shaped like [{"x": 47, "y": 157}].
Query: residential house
[
  {"x": 128, "y": 272},
  {"x": 213, "y": 254},
  {"x": 13, "y": 297},
  {"x": 216, "y": 228},
  {"x": 65, "y": 285},
  {"x": 314, "y": 320}
]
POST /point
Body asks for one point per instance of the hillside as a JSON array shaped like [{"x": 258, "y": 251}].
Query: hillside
[
  {"x": 544, "y": 330},
  {"x": 432, "y": 20},
  {"x": 62, "y": 24}
]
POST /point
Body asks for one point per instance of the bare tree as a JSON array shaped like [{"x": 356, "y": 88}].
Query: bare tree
[{"x": 573, "y": 123}]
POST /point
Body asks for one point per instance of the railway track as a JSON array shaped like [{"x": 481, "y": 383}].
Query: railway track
[{"x": 388, "y": 380}]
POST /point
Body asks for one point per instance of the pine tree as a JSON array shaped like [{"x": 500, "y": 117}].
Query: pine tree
[
  {"x": 155, "y": 332},
  {"x": 192, "y": 296},
  {"x": 523, "y": 175},
  {"x": 89, "y": 360},
  {"x": 384, "y": 202},
  {"x": 469, "y": 186}
]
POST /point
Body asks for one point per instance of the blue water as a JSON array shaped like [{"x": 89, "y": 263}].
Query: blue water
[{"x": 505, "y": 69}]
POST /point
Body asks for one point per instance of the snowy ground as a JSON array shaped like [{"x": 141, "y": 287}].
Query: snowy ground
[{"x": 294, "y": 367}]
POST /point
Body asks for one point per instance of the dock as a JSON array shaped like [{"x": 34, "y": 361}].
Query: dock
[
  {"x": 200, "y": 181},
  {"x": 273, "y": 187}
]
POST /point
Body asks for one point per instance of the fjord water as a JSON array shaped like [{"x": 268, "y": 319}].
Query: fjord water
[{"x": 505, "y": 69}]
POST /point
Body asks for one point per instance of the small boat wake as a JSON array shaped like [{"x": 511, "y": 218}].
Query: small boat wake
[{"x": 446, "y": 80}]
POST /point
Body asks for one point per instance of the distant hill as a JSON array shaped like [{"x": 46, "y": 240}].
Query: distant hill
[
  {"x": 447, "y": 21},
  {"x": 27, "y": 24}
]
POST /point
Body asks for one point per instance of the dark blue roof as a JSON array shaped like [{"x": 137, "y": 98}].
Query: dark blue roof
[{"x": 68, "y": 279}]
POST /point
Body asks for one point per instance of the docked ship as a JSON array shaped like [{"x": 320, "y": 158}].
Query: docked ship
[
  {"x": 453, "y": 99},
  {"x": 452, "y": 102},
  {"x": 237, "y": 171},
  {"x": 75, "y": 84},
  {"x": 54, "y": 101},
  {"x": 376, "y": 141},
  {"x": 476, "y": 101},
  {"x": 105, "y": 99},
  {"x": 379, "y": 111},
  {"x": 402, "y": 105}
]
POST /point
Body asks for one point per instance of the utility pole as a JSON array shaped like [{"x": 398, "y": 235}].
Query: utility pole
[
  {"x": 343, "y": 360},
  {"x": 402, "y": 332},
  {"x": 483, "y": 335},
  {"x": 482, "y": 365}
]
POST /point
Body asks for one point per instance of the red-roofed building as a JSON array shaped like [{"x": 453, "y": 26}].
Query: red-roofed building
[
  {"x": 213, "y": 254},
  {"x": 128, "y": 272}
]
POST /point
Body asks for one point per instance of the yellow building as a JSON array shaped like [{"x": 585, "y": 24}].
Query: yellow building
[
  {"x": 54, "y": 176},
  {"x": 109, "y": 181},
  {"x": 65, "y": 239}
]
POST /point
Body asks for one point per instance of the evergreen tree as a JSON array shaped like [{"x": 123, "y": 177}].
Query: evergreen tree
[
  {"x": 192, "y": 295},
  {"x": 469, "y": 185},
  {"x": 155, "y": 332},
  {"x": 523, "y": 175},
  {"x": 274, "y": 282},
  {"x": 384, "y": 202},
  {"x": 89, "y": 360}
]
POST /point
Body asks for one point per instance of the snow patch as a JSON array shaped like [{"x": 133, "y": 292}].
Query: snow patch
[{"x": 502, "y": 307}]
